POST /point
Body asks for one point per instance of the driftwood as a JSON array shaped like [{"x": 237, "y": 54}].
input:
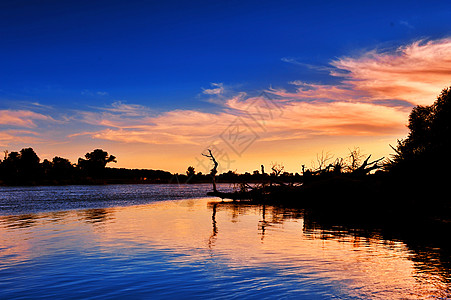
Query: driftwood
[
  {"x": 316, "y": 179},
  {"x": 367, "y": 167}
]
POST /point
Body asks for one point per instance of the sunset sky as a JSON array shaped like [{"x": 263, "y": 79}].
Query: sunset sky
[{"x": 156, "y": 83}]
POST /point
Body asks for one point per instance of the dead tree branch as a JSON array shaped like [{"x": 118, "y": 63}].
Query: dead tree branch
[
  {"x": 366, "y": 166},
  {"x": 213, "y": 171}
]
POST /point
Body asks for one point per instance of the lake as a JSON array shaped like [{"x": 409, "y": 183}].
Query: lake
[{"x": 170, "y": 241}]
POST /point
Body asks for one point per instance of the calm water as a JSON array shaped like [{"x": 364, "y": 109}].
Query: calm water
[{"x": 160, "y": 241}]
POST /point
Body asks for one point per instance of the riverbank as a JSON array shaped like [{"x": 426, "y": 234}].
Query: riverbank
[{"x": 371, "y": 196}]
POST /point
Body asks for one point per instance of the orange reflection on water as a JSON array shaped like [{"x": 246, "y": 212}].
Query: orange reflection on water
[
  {"x": 236, "y": 237},
  {"x": 263, "y": 237}
]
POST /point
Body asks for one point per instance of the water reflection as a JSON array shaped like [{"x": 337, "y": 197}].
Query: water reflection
[
  {"x": 20, "y": 221},
  {"x": 204, "y": 248},
  {"x": 425, "y": 243},
  {"x": 427, "y": 240},
  {"x": 91, "y": 216},
  {"x": 212, "y": 239},
  {"x": 97, "y": 215}
]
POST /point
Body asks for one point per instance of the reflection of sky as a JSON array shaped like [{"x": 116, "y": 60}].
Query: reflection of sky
[{"x": 181, "y": 249}]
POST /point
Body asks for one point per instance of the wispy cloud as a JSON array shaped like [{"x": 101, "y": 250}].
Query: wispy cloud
[
  {"x": 295, "y": 61},
  {"x": 217, "y": 89},
  {"x": 415, "y": 73},
  {"x": 300, "y": 120},
  {"x": 87, "y": 92},
  {"x": 22, "y": 118},
  {"x": 406, "y": 24},
  {"x": 126, "y": 109},
  {"x": 136, "y": 123}
]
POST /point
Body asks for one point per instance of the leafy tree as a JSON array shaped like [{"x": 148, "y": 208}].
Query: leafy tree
[
  {"x": 21, "y": 166},
  {"x": 62, "y": 168},
  {"x": 29, "y": 159},
  {"x": 95, "y": 162},
  {"x": 427, "y": 145},
  {"x": 47, "y": 167},
  {"x": 61, "y": 163},
  {"x": 190, "y": 171},
  {"x": 10, "y": 166}
]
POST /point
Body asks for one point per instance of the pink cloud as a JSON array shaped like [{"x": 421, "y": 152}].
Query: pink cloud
[
  {"x": 8, "y": 137},
  {"x": 21, "y": 118},
  {"x": 415, "y": 73},
  {"x": 271, "y": 120}
]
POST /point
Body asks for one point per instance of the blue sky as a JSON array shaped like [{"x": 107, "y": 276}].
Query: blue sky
[
  {"x": 165, "y": 56},
  {"x": 161, "y": 53}
]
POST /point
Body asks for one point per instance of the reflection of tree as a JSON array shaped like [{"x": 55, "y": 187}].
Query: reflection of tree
[
  {"x": 97, "y": 215},
  {"x": 20, "y": 221},
  {"x": 428, "y": 241},
  {"x": 263, "y": 223},
  {"x": 57, "y": 216},
  {"x": 212, "y": 239},
  {"x": 31, "y": 219}
]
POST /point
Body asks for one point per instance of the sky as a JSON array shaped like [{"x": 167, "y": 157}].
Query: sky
[{"x": 157, "y": 83}]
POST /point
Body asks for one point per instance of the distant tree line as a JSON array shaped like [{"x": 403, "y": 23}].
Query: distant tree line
[{"x": 25, "y": 168}]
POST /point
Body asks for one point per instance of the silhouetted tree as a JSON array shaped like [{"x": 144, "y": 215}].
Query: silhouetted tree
[
  {"x": 95, "y": 162},
  {"x": 21, "y": 167},
  {"x": 277, "y": 169},
  {"x": 62, "y": 168},
  {"x": 29, "y": 159},
  {"x": 427, "y": 145},
  {"x": 214, "y": 170},
  {"x": 46, "y": 167},
  {"x": 10, "y": 166},
  {"x": 29, "y": 167},
  {"x": 190, "y": 171}
]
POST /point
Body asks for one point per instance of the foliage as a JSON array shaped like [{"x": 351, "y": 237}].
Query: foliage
[
  {"x": 95, "y": 162},
  {"x": 428, "y": 142},
  {"x": 190, "y": 171}
]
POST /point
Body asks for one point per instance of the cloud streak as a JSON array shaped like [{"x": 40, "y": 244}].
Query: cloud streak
[
  {"x": 415, "y": 73},
  {"x": 21, "y": 118},
  {"x": 293, "y": 120},
  {"x": 217, "y": 89}
]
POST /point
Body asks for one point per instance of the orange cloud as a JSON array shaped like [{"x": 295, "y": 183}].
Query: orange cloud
[
  {"x": 271, "y": 120},
  {"x": 8, "y": 137},
  {"x": 314, "y": 91},
  {"x": 415, "y": 73},
  {"x": 173, "y": 127},
  {"x": 21, "y": 118},
  {"x": 21, "y": 127}
]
